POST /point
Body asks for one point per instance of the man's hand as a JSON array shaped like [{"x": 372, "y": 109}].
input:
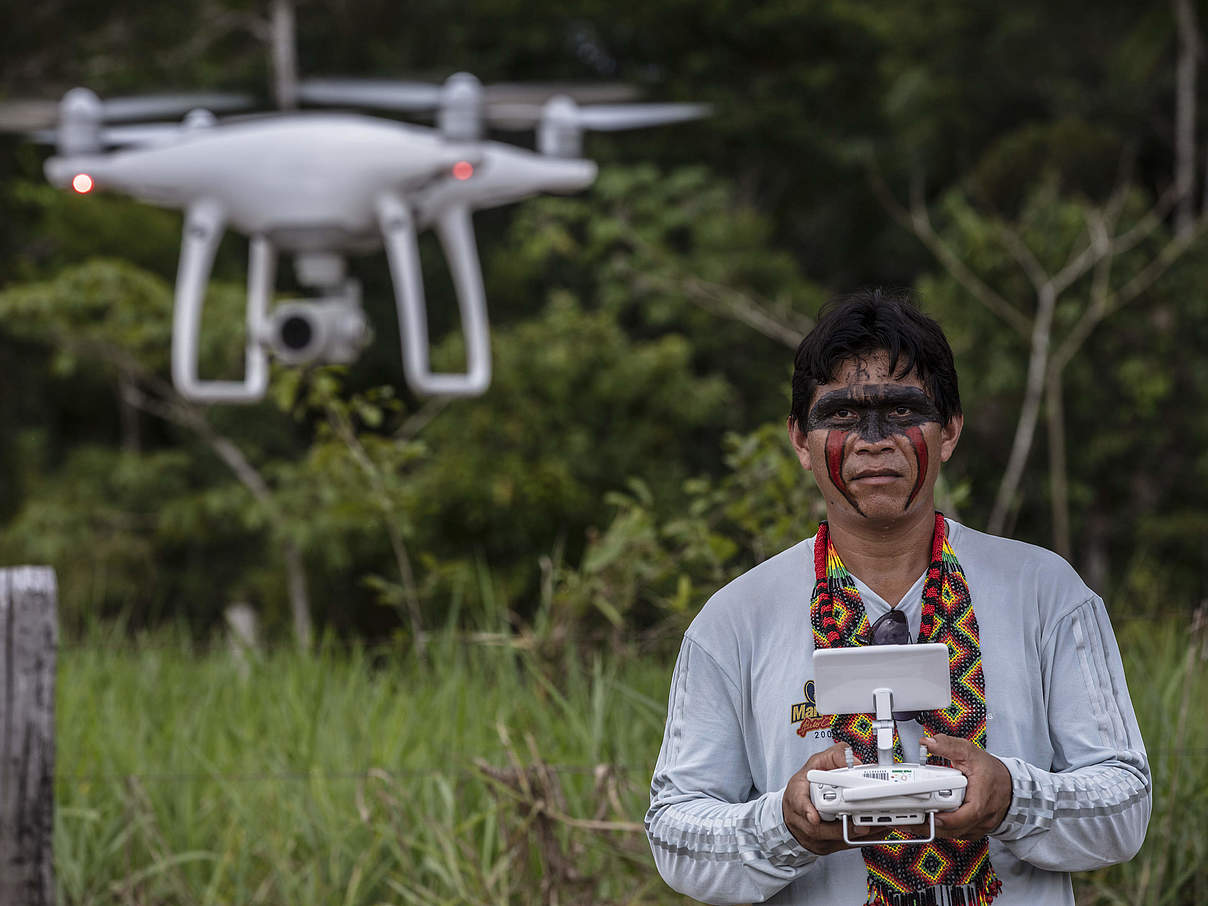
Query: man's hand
[
  {"x": 816, "y": 835},
  {"x": 988, "y": 796}
]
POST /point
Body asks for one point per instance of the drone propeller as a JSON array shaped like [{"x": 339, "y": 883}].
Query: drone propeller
[
  {"x": 27, "y": 116},
  {"x": 151, "y": 106},
  {"x": 383, "y": 94},
  {"x": 75, "y": 124},
  {"x": 34, "y": 115},
  {"x": 461, "y": 102},
  {"x": 560, "y": 121},
  {"x": 413, "y": 97},
  {"x": 597, "y": 117}
]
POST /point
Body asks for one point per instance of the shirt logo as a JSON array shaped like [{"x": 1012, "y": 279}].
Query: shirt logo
[{"x": 806, "y": 713}]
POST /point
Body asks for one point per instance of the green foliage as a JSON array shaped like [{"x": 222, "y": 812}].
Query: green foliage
[
  {"x": 508, "y": 476},
  {"x": 1125, "y": 392},
  {"x": 643, "y": 566},
  {"x": 113, "y": 312},
  {"x": 72, "y": 228},
  {"x": 131, "y": 534},
  {"x": 636, "y": 325},
  {"x": 670, "y": 251},
  {"x": 1081, "y": 157}
]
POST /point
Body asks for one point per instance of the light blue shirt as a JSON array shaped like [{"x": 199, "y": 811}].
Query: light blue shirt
[{"x": 1059, "y": 718}]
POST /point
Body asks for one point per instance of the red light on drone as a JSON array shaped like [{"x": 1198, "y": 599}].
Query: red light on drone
[
  {"x": 82, "y": 183},
  {"x": 463, "y": 170}
]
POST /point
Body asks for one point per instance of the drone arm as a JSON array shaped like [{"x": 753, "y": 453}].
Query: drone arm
[
  {"x": 204, "y": 222},
  {"x": 402, "y": 252}
]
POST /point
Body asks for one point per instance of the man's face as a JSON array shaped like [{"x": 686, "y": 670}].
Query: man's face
[{"x": 873, "y": 441}]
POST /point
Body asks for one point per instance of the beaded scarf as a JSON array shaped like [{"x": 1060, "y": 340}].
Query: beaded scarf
[{"x": 942, "y": 872}]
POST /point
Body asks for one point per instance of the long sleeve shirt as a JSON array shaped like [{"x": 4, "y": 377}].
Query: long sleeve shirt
[{"x": 741, "y": 722}]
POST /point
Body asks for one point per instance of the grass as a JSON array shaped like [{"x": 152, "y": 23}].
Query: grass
[
  {"x": 471, "y": 775},
  {"x": 346, "y": 778},
  {"x": 1167, "y": 667}
]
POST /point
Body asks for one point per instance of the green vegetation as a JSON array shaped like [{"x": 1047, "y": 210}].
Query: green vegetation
[
  {"x": 473, "y": 774},
  {"x": 1013, "y": 165},
  {"x": 481, "y": 772}
]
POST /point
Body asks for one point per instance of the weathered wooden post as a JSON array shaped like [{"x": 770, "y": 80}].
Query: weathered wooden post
[{"x": 28, "y": 642}]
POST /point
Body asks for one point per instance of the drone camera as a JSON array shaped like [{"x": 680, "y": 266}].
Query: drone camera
[{"x": 332, "y": 331}]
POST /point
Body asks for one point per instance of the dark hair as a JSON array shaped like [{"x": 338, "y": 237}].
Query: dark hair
[{"x": 865, "y": 323}]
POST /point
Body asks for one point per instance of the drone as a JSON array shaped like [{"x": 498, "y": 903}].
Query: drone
[{"x": 321, "y": 185}]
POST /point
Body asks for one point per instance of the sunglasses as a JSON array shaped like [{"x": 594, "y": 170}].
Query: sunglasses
[{"x": 891, "y": 629}]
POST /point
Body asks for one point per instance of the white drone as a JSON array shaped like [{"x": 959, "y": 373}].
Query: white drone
[{"x": 323, "y": 185}]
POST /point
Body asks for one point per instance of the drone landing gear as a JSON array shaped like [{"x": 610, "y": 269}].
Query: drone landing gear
[
  {"x": 402, "y": 252},
  {"x": 205, "y": 223}
]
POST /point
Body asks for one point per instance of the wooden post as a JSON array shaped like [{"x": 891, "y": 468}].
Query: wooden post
[{"x": 28, "y": 642}]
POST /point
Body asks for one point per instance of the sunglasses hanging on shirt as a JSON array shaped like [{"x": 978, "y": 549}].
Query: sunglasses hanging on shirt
[{"x": 891, "y": 628}]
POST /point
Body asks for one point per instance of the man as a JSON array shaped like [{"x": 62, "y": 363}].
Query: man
[{"x": 1041, "y": 722}]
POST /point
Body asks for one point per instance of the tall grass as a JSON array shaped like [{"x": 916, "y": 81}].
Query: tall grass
[
  {"x": 468, "y": 775},
  {"x": 351, "y": 778},
  {"x": 1167, "y": 667}
]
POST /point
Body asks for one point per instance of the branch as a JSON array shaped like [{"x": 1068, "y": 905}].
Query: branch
[
  {"x": 723, "y": 300},
  {"x": 417, "y": 421},
  {"x": 1077, "y": 264},
  {"x": 171, "y": 409},
  {"x": 170, "y": 406},
  {"x": 214, "y": 24},
  {"x": 1124, "y": 171},
  {"x": 1034, "y": 384},
  {"x": 1084, "y": 260},
  {"x": 1184, "y": 121},
  {"x": 918, "y": 222},
  {"x": 1170, "y": 253},
  {"x": 1023, "y": 256},
  {"x": 1097, "y": 310},
  {"x": 731, "y": 303},
  {"x": 344, "y": 430},
  {"x": 1105, "y": 302},
  {"x": 1150, "y": 221}
]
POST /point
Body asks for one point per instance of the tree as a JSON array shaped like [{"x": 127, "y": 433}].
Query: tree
[
  {"x": 1053, "y": 264},
  {"x": 115, "y": 317}
]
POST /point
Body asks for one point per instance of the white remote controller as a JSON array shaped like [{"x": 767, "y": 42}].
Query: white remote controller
[
  {"x": 874, "y": 795},
  {"x": 888, "y": 793}
]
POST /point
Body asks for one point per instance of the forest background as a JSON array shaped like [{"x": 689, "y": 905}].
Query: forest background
[{"x": 1035, "y": 173}]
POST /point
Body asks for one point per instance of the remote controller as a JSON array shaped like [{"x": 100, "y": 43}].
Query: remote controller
[{"x": 886, "y": 795}]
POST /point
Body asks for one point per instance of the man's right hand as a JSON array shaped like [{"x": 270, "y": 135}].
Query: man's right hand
[{"x": 803, "y": 820}]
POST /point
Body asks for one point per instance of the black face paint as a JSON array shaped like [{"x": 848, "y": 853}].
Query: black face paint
[{"x": 873, "y": 412}]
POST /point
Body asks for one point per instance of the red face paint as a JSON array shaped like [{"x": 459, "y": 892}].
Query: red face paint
[
  {"x": 835, "y": 443},
  {"x": 915, "y": 435}
]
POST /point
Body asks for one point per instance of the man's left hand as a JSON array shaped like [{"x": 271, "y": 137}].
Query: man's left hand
[{"x": 988, "y": 796}]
